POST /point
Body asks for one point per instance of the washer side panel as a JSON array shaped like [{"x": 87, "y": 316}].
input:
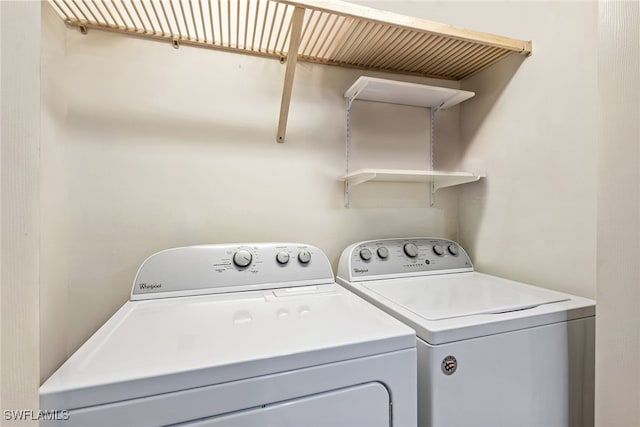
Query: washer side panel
[{"x": 533, "y": 377}]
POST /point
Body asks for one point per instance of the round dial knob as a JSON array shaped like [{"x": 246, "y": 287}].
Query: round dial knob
[
  {"x": 383, "y": 252},
  {"x": 410, "y": 249},
  {"x": 304, "y": 256},
  {"x": 365, "y": 254},
  {"x": 282, "y": 257},
  {"x": 242, "y": 258},
  {"x": 453, "y": 250},
  {"x": 438, "y": 250}
]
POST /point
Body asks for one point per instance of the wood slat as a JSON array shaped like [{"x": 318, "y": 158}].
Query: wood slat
[
  {"x": 377, "y": 48},
  {"x": 371, "y": 40},
  {"x": 343, "y": 27}
]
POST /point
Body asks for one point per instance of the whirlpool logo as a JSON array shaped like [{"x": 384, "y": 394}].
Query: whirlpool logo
[
  {"x": 149, "y": 286},
  {"x": 449, "y": 365},
  {"x": 361, "y": 270}
]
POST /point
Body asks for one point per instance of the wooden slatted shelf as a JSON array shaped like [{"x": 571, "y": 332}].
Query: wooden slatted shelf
[{"x": 326, "y": 31}]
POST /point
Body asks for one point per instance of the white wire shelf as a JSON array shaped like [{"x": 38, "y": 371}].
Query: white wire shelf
[{"x": 438, "y": 179}]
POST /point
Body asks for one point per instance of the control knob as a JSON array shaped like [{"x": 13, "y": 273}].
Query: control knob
[
  {"x": 453, "y": 250},
  {"x": 383, "y": 252},
  {"x": 304, "y": 256},
  {"x": 438, "y": 250},
  {"x": 365, "y": 254},
  {"x": 242, "y": 258},
  {"x": 282, "y": 257},
  {"x": 410, "y": 249}
]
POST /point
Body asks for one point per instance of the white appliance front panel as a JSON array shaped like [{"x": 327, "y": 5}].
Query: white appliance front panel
[
  {"x": 362, "y": 405},
  {"x": 447, "y": 296},
  {"x": 541, "y": 376},
  {"x": 164, "y": 345},
  {"x": 395, "y": 370}
]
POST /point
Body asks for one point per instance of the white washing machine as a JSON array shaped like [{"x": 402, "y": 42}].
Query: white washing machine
[
  {"x": 491, "y": 352},
  {"x": 239, "y": 335}
]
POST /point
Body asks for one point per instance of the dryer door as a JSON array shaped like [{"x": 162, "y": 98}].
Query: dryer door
[{"x": 361, "y": 405}]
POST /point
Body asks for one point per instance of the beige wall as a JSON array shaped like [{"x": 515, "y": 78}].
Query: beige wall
[
  {"x": 534, "y": 131},
  {"x": 149, "y": 147},
  {"x": 19, "y": 208},
  {"x": 618, "y": 334},
  {"x": 54, "y": 219}
]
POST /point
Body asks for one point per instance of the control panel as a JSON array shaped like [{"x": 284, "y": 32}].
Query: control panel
[
  {"x": 205, "y": 269},
  {"x": 389, "y": 258}
]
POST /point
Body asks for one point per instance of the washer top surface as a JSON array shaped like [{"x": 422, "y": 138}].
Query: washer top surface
[
  {"x": 447, "y": 296},
  {"x": 430, "y": 284},
  {"x": 165, "y": 344}
]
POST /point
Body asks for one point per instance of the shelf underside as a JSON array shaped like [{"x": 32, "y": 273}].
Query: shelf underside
[
  {"x": 395, "y": 92},
  {"x": 439, "y": 179},
  {"x": 333, "y": 32}
]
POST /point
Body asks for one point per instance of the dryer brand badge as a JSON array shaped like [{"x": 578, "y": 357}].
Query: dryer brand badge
[
  {"x": 449, "y": 365},
  {"x": 149, "y": 286}
]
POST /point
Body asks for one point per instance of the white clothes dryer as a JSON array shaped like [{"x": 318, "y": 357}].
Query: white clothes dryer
[
  {"x": 491, "y": 351},
  {"x": 239, "y": 335}
]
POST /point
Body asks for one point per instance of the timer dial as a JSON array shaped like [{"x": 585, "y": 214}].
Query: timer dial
[
  {"x": 410, "y": 249},
  {"x": 242, "y": 258},
  {"x": 453, "y": 250}
]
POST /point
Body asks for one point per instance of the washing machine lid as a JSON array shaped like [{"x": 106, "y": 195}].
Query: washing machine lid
[
  {"x": 448, "y": 296},
  {"x": 159, "y": 346}
]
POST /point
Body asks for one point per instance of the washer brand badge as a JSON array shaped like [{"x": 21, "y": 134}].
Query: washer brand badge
[
  {"x": 148, "y": 287},
  {"x": 361, "y": 270},
  {"x": 449, "y": 365}
]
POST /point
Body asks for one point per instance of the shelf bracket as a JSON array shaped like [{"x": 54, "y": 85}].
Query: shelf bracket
[
  {"x": 292, "y": 59},
  {"x": 351, "y": 99},
  {"x": 362, "y": 178},
  {"x": 347, "y": 148},
  {"x": 432, "y": 143}
]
